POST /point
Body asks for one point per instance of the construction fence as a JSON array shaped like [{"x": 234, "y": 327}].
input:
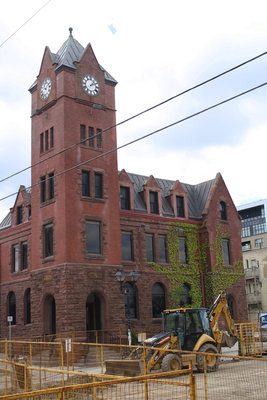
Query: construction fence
[
  {"x": 73, "y": 385},
  {"x": 77, "y": 370}
]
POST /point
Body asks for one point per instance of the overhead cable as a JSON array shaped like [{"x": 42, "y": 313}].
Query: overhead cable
[
  {"x": 144, "y": 136},
  {"x": 1, "y": 44},
  {"x": 136, "y": 115}
]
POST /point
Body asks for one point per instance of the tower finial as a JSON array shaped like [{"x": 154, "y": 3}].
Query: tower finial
[{"x": 70, "y": 29}]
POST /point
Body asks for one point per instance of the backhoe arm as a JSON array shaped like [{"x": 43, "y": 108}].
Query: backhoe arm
[{"x": 220, "y": 308}]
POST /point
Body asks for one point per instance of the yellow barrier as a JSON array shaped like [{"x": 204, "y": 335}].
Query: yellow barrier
[
  {"x": 43, "y": 365},
  {"x": 174, "y": 385},
  {"x": 250, "y": 339}
]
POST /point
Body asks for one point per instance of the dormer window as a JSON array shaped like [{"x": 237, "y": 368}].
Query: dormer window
[
  {"x": 180, "y": 206},
  {"x": 154, "y": 204},
  {"x": 223, "y": 213},
  {"x": 125, "y": 197}
]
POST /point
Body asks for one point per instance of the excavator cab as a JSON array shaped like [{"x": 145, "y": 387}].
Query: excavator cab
[{"x": 188, "y": 325}]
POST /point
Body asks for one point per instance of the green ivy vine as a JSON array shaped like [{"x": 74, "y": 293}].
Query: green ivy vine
[{"x": 196, "y": 269}]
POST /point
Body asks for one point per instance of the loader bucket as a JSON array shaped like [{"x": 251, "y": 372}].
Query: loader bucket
[
  {"x": 124, "y": 367},
  {"x": 227, "y": 340}
]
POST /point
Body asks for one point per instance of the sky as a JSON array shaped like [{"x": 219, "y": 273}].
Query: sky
[{"x": 155, "y": 50}]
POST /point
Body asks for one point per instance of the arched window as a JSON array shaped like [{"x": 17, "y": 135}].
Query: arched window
[
  {"x": 158, "y": 300},
  {"x": 185, "y": 298},
  {"x": 49, "y": 315},
  {"x": 27, "y": 306},
  {"x": 12, "y": 307},
  {"x": 130, "y": 300},
  {"x": 230, "y": 301},
  {"x": 222, "y": 208}
]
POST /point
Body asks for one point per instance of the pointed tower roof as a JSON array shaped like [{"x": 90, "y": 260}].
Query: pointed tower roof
[{"x": 70, "y": 53}]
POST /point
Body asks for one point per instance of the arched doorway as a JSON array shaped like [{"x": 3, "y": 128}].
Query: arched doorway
[
  {"x": 93, "y": 315},
  {"x": 49, "y": 315}
]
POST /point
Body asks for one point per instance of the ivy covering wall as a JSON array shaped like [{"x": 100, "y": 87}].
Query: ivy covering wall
[{"x": 195, "y": 273}]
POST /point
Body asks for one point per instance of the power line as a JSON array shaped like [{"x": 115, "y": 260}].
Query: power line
[
  {"x": 137, "y": 115},
  {"x": 145, "y": 136},
  {"x": 1, "y": 44}
]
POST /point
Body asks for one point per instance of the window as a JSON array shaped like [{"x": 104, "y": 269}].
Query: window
[
  {"x": 162, "y": 248},
  {"x": 246, "y": 245},
  {"x": 130, "y": 300},
  {"x": 245, "y": 232},
  {"x": 12, "y": 307},
  {"x": 93, "y": 242},
  {"x": 259, "y": 242},
  {"x": 226, "y": 251},
  {"x": 15, "y": 258},
  {"x": 259, "y": 229},
  {"x": 52, "y": 137},
  {"x": 98, "y": 186},
  {"x": 86, "y": 183},
  {"x": 222, "y": 208},
  {"x": 24, "y": 255},
  {"x": 154, "y": 206},
  {"x": 19, "y": 215},
  {"x": 99, "y": 138},
  {"x": 91, "y": 136},
  {"x": 82, "y": 134},
  {"x": 46, "y": 140},
  {"x": 126, "y": 246},
  {"x": 51, "y": 185},
  {"x": 182, "y": 251},
  {"x": 231, "y": 305},
  {"x": 41, "y": 143},
  {"x": 125, "y": 197},
  {"x": 158, "y": 300},
  {"x": 27, "y": 306},
  {"x": 180, "y": 206},
  {"x": 48, "y": 240},
  {"x": 43, "y": 189},
  {"x": 150, "y": 248},
  {"x": 47, "y": 187},
  {"x": 185, "y": 298}
]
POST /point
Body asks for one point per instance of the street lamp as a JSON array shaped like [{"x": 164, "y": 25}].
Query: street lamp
[{"x": 120, "y": 276}]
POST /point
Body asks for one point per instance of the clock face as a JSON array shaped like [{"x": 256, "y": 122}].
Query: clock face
[
  {"x": 90, "y": 85},
  {"x": 45, "y": 88}
]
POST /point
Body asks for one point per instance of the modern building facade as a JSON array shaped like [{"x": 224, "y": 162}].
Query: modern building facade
[
  {"x": 83, "y": 224},
  {"x": 254, "y": 248}
]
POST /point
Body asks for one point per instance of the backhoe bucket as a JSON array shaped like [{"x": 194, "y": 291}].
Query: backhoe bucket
[
  {"x": 227, "y": 340},
  {"x": 124, "y": 367}
]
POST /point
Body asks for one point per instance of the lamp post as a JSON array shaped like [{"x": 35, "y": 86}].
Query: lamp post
[{"x": 120, "y": 276}]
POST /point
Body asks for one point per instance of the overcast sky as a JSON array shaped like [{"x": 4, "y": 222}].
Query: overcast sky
[{"x": 155, "y": 50}]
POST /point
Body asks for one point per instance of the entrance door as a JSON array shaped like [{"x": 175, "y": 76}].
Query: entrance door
[
  {"x": 50, "y": 316},
  {"x": 93, "y": 315}
]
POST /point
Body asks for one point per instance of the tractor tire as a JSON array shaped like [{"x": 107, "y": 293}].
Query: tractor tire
[
  {"x": 171, "y": 362},
  {"x": 212, "y": 361}
]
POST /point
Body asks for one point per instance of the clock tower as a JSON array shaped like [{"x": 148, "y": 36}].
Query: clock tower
[{"x": 75, "y": 192}]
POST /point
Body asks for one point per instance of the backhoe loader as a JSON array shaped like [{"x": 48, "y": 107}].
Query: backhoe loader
[{"x": 188, "y": 329}]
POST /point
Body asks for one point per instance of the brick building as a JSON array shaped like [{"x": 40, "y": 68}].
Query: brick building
[{"x": 63, "y": 242}]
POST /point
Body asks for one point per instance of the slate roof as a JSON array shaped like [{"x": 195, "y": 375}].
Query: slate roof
[
  {"x": 6, "y": 223},
  {"x": 197, "y": 195}
]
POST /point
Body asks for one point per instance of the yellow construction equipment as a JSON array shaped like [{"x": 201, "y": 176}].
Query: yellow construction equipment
[{"x": 187, "y": 329}]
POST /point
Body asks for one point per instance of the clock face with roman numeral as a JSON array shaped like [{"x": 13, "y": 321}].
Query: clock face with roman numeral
[
  {"x": 45, "y": 88},
  {"x": 90, "y": 85}
]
